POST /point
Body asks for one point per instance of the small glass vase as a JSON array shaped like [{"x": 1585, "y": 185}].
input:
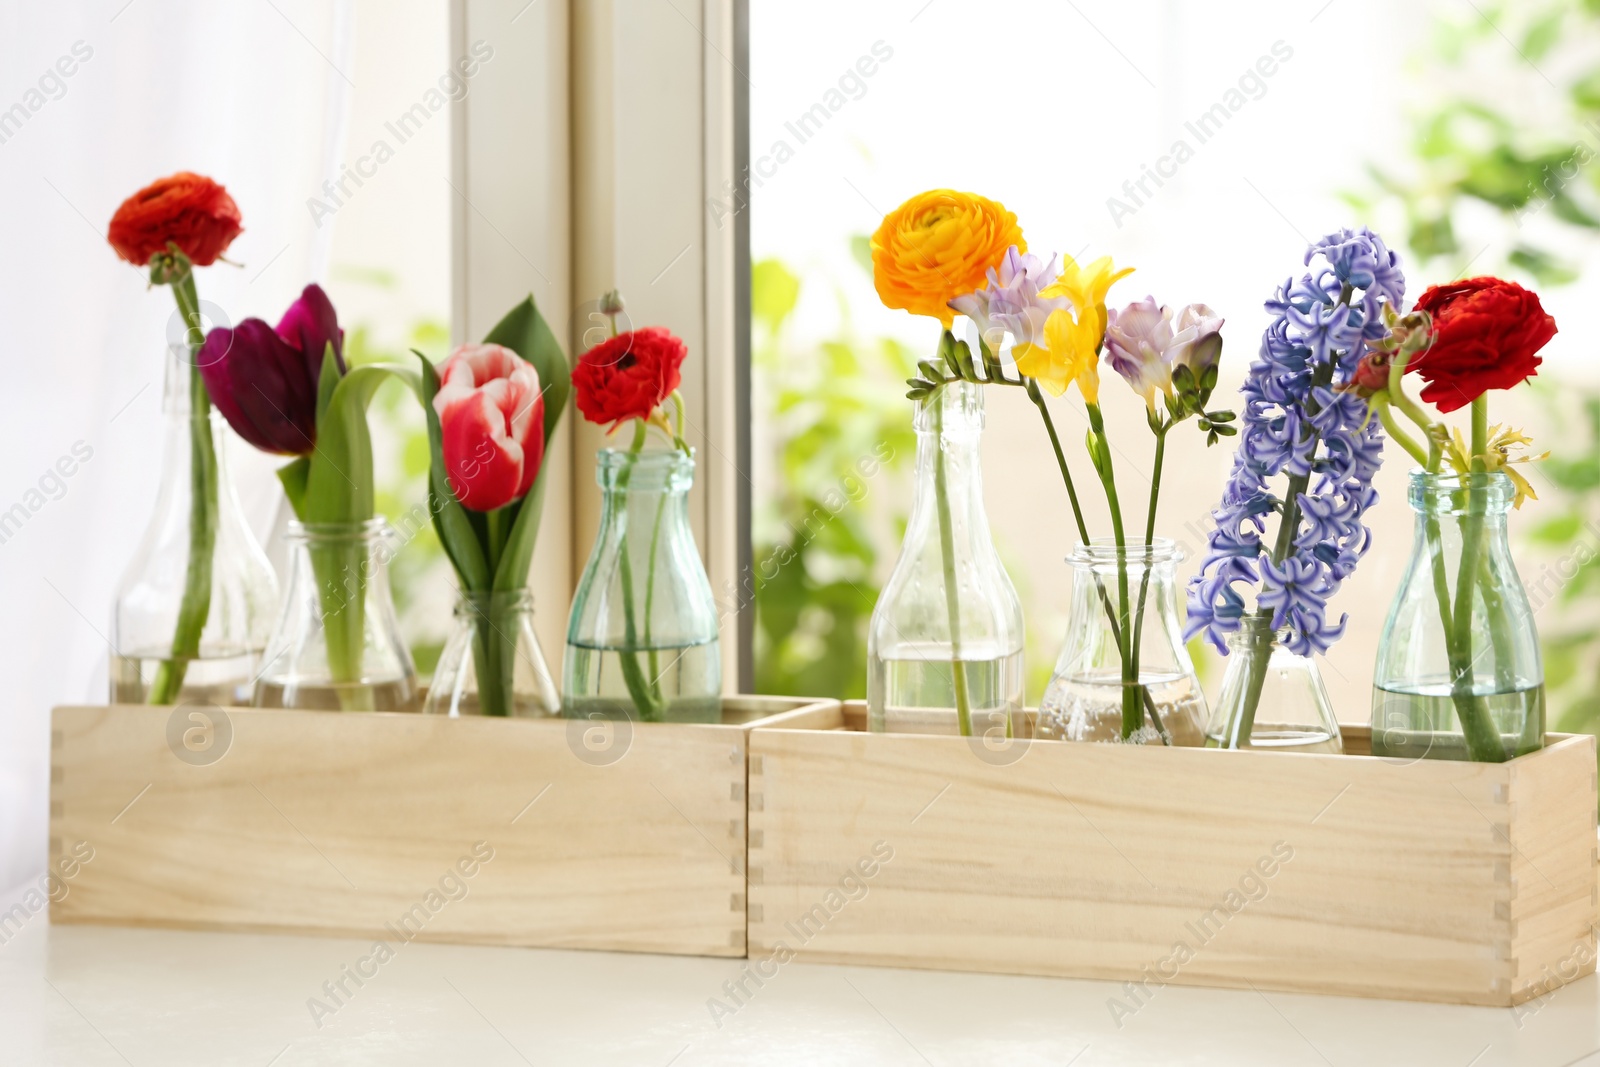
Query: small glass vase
[
  {"x": 1289, "y": 710},
  {"x": 1085, "y": 698},
  {"x": 945, "y": 644},
  {"x": 1456, "y": 680},
  {"x": 493, "y": 639},
  {"x": 642, "y": 639},
  {"x": 337, "y": 645},
  {"x": 243, "y": 592}
]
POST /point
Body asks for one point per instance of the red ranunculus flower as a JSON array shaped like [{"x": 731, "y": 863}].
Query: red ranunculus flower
[
  {"x": 629, "y": 375},
  {"x": 491, "y": 422},
  {"x": 1486, "y": 333},
  {"x": 190, "y": 210}
]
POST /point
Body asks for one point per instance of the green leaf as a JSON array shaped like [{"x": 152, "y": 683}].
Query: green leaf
[
  {"x": 774, "y": 291},
  {"x": 1542, "y": 265},
  {"x": 327, "y": 381},
  {"x": 462, "y": 541},
  {"x": 1557, "y": 530},
  {"x": 512, "y": 571},
  {"x": 524, "y": 331},
  {"x": 1542, "y": 35},
  {"x": 293, "y": 476},
  {"x": 339, "y": 481}
]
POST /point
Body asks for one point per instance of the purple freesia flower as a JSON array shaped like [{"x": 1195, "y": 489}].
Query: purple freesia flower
[
  {"x": 264, "y": 381},
  {"x": 1010, "y": 302},
  {"x": 1195, "y": 323},
  {"x": 1139, "y": 344},
  {"x": 1296, "y": 423}
]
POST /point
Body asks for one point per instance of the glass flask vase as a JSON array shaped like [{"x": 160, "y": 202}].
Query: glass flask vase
[
  {"x": 181, "y": 634},
  {"x": 945, "y": 644},
  {"x": 337, "y": 645},
  {"x": 1093, "y": 695},
  {"x": 642, "y": 639},
  {"x": 1271, "y": 698},
  {"x": 492, "y": 664},
  {"x": 1458, "y": 673}
]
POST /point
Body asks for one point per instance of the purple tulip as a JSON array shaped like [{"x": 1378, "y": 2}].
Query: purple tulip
[{"x": 264, "y": 381}]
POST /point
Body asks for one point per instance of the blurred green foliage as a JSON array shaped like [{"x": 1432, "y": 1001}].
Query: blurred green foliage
[
  {"x": 1569, "y": 530},
  {"x": 1517, "y": 133},
  {"x": 833, "y": 418}
]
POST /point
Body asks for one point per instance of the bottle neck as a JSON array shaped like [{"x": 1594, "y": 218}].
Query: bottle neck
[
  {"x": 949, "y": 429},
  {"x": 182, "y": 390}
]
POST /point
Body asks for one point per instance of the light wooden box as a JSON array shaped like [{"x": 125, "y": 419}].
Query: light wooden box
[
  {"x": 365, "y": 825},
  {"x": 1440, "y": 881}
]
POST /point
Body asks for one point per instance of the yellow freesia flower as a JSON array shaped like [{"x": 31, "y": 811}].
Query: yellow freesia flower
[
  {"x": 1502, "y": 442},
  {"x": 1087, "y": 286},
  {"x": 1072, "y": 341},
  {"x": 1070, "y": 353},
  {"x": 937, "y": 246}
]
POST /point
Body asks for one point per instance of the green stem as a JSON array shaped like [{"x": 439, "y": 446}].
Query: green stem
[
  {"x": 1261, "y": 639},
  {"x": 494, "y": 635},
  {"x": 1483, "y": 738},
  {"x": 1037, "y": 397},
  {"x": 947, "y": 556},
  {"x": 1149, "y": 564},
  {"x": 195, "y": 606},
  {"x": 628, "y": 656},
  {"x": 649, "y": 602},
  {"x": 1396, "y": 432},
  {"x": 1132, "y": 704}
]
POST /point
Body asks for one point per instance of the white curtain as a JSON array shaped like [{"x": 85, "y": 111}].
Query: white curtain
[{"x": 99, "y": 99}]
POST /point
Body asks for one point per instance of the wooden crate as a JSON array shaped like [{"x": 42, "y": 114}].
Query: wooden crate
[
  {"x": 474, "y": 830},
  {"x": 1455, "y": 882}
]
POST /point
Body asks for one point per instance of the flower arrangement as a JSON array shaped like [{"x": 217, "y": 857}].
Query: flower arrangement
[
  {"x": 1302, "y": 423},
  {"x": 630, "y": 378},
  {"x": 945, "y": 252},
  {"x": 1465, "y": 340},
  {"x": 172, "y": 226},
  {"x": 492, "y": 409},
  {"x": 287, "y": 390}
]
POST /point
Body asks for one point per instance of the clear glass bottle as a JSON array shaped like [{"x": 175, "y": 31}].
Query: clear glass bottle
[
  {"x": 1453, "y": 680},
  {"x": 243, "y": 590},
  {"x": 493, "y": 639},
  {"x": 1291, "y": 711},
  {"x": 642, "y": 639},
  {"x": 1084, "y": 700},
  {"x": 337, "y": 645},
  {"x": 945, "y": 644}
]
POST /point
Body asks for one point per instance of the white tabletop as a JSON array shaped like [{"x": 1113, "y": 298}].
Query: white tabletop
[{"x": 84, "y": 996}]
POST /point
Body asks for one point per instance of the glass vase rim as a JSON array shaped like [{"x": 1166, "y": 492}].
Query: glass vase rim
[
  {"x": 489, "y": 602},
  {"x": 646, "y": 458},
  {"x": 1427, "y": 487},
  {"x": 1250, "y": 626},
  {"x": 967, "y": 407},
  {"x": 1099, "y": 551},
  {"x": 373, "y": 529}
]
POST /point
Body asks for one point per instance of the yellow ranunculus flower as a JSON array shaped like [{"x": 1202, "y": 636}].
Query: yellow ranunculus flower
[
  {"x": 1072, "y": 341},
  {"x": 937, "y": 246}
]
